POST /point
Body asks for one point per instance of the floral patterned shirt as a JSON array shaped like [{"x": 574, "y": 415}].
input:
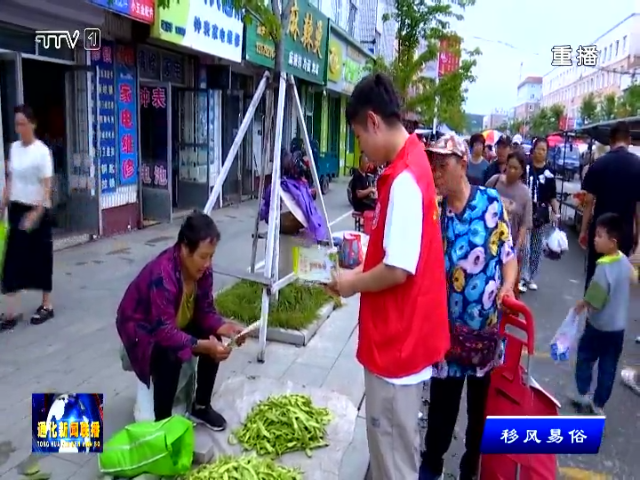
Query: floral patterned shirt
[{"x": 477, "y": 244}]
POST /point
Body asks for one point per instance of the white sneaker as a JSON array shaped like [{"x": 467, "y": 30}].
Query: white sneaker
[
  {"x": 581, "y": 400},
  {"x": 522, "y": 286},
  {"x": 532, "y": 286}
]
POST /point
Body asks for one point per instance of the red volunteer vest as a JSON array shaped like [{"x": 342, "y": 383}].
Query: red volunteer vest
[{"x": 404, "y": 329}]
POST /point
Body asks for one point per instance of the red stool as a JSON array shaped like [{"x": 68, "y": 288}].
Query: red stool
[{"x": 368, "y": 217}]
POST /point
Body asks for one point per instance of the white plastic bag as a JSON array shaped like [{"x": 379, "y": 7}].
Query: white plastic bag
[
  {"x": 143, "y": 409},
  {"x": 565, "y": 339},
  {"x": 557, "y": 241}
]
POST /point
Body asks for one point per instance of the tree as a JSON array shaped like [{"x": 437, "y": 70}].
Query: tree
[
  {"x": 541, "y": 123},
  {"x": 515, "y": 125},
  {"x": 556, "y": 112},
  {"x": 629, "y": 104},
  {"x": 421, "y": 26},
  {"x": 607, "y": 107},
  {"x": 588, "y": 108}
]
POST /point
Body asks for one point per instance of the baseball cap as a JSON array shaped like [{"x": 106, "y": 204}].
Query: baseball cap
[
  {"x": 449, "y": 144},
  {"x": 517, "y": 139},
  {"x": 504, "y": 140}
]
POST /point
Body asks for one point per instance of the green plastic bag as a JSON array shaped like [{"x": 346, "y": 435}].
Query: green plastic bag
[
  {"x": 4, "y": 234},
  {"x": 162, "y": 448}
]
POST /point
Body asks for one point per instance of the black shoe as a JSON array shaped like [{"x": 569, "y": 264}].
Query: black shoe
[
  {"x": 42, "y": 315},
  {"x": 209, "y": 417},
  {"x": 8, "y": 323}
]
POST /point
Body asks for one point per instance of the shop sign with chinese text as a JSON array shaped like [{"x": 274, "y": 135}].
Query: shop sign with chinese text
[
  {"x": 105, "y": 114},
  {"x": 448, "y": 57},
  {"x": 208, "y": 26},
  {"x": 140, "y": 10},
  {"x": 127, "y": 114},
  {"x": 154, "y": 172},
  {"x": 305, "y": 43},
  {"x": 346, "y": 63}
]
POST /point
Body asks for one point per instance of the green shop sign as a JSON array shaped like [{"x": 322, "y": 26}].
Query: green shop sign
[
  {"x": 305, "y": 43},
  {"x": 346, "y": 63}
]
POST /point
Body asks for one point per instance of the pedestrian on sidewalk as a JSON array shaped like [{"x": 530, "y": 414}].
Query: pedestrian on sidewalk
[
  {"x": 481, "y": 270},
  {"x": 499, "y": 165},
  {"x": 607, "y": 304},
  {"x": 167, "y": 316},
  {"x": 541, "y": 180},
  {"x": 477, "y": 164},
  {"x": 516, "y": 199},
  {"x": 28, "y": 258},
  {"x": 612, "y": 184},
  {"x": 403, "y": 327}
]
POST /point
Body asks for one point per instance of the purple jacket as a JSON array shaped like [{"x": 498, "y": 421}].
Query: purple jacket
[
  {"x": 147, "y": 313},
  {"x": 299, "y": 190}
]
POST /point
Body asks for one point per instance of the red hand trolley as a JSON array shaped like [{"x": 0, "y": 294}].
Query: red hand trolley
[{"x": 514, "y": 392}]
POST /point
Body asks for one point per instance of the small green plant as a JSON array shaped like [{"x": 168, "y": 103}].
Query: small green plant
[{"x": 296, "y": 308}]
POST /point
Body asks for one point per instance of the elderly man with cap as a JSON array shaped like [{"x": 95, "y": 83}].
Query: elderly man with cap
[
  {"x": 481, "y": 269},
  {"x": 499, "y": 165}
]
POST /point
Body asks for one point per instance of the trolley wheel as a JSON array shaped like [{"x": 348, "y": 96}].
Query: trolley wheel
[{"x": 324, "y": 185}]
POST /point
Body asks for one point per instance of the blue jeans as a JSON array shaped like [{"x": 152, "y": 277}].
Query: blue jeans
[{"x": 605, "y": 348}]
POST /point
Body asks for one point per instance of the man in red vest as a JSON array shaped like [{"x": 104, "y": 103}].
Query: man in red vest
[{"x": 403, "y": 326}]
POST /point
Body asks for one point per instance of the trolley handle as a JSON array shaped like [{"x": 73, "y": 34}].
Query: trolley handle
[{"x": 513, "y": 308}]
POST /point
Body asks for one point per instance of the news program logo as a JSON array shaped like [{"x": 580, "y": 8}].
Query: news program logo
[
  {"x": 531, "y": 435},
  {"x": 66, "y": 422}
]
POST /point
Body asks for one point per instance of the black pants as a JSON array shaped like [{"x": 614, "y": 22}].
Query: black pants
[
  {"x": 165, "y": 374},
  {"x": 444, "y": 405}
]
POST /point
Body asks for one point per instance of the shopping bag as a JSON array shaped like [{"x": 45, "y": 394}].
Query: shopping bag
[
  {"x": 162, "y": 448},
  {"x": 565, "y": 339},
  {"x": 351, "y": 254},
  {"x": 557, "y": 241}
]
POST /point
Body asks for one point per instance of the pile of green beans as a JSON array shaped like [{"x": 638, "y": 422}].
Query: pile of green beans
[
  {"x": 282, "y": 424},
  {"x": 247, "y": 467}
]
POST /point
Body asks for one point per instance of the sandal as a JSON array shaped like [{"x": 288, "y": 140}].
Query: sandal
[
  {"x": 42, "y": 315},
  {"x": 8, "y": 323}
]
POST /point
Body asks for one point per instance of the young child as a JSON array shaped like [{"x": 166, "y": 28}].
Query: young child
[{"x": 606, "y": 301}]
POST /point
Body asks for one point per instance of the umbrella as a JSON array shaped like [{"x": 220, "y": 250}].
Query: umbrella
[
  {"x": 491, "y": 136},
  {"x": 554, "y": 140}
]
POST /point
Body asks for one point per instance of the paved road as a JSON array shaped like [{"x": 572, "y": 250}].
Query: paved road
[
  {"x": 561, "y": 284},
  {"x": 78, "y": 350}
]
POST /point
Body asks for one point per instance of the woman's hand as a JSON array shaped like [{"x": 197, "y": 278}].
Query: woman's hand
[
  {"x": 30, "y": 220},
  {"x": 232, "y": 330}
]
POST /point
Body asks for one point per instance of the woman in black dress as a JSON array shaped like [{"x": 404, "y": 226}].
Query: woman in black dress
[{"x": 28, "y": 261}]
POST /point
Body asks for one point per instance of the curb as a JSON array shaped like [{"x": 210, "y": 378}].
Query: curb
[{"x": 298, "y": 338}]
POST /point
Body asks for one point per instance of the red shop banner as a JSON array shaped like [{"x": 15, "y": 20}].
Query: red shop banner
[{"x": 448, "y": 57}]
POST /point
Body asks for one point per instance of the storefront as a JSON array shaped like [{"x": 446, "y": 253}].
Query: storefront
[
  {"x": 184, "y": 164},
  {"x": 53, "y": 80},
  {"x": 305, "y": 56},
  {"x": 346, "y": 67}
]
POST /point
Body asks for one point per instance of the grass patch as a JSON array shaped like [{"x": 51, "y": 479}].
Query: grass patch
[{"x": 296, "y": 309}]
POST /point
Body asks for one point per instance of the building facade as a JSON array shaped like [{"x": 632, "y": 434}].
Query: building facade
[
  {"x": 493, "y": 120},
  {"x": 528, "y": 98},
  {"x": 617, "y": 66}
]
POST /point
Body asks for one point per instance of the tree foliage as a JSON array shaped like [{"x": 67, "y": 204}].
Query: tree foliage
[
  {"x": 421, "y": 26},
  {"x": 546, "y": 120},
  {"x": 607, "y": 107},
  {"x": 589, "y": 109}
]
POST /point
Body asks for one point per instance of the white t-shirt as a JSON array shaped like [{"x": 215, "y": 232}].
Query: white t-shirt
[
  {"x": 402, "y": 241},
  {"x": 29, "y": 166}
]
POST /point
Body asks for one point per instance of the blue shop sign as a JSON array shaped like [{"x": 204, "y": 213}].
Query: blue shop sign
[
  {"x": 127, "y": 114},
  {"x": 104, "y": 114}
]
